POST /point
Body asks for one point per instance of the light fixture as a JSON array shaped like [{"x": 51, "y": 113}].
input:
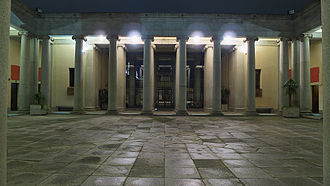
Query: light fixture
[
  {"x": 135, "y": 37},
  {"x": 196, "y": 39},
  {"x": 229, "y": 36},
  {"x": 101, "y": 37}
]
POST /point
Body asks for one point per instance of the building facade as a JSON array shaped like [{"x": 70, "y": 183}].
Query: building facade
[
  {"x": 118, "y": 61},
  {"x": 176, "y": 28}
]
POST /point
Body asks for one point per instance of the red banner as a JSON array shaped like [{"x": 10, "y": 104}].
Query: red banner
[
  {"x": 315, "y": 74},
  {"x": 14, "y": 72}
]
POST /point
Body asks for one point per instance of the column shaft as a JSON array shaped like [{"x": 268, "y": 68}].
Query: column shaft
[
  {"x": 197, "y": 87},
  {"x": 182, "y": 77},
  {"x": 239, "y": 84},
  {"x": 78, "y": 76},
  {"x": 250, "y": 78},
  {"x": 131, "y": 100},
  {"x": 24, "y": 87},
  {"x": 148, "y": 75},
  {"x": 121, "y": 78},
  {"x": 35, "y": 64},
  {"x": 283, "y": 73},
  {"x": 4, "y": 52},
  {"x": 208, "y": 78},
  {"x": 216, "y": 95},
  {"x": 90, "y": 79},
  {"x": 295, "y": 68},
  {"x": 325, "y": 4},
  {"x": 45, "y": 72},
  {"x": 305, "y": 88},
  {"x": 112, "y": 76}
]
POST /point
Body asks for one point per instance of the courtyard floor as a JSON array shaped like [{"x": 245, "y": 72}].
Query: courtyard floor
[{"x": 163, "y": 150}]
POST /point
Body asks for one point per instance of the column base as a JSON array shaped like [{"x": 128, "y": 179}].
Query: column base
[
  {"x": 90, "y": 108},
  {"x": 238, "y": 109},
  {"x": 216, "y": 113},
  {"x": 147, "y": 113},
  {"x": 78, "y": 112},
  {"x": 251, "y": 113},
  {"x": 181, "y": 113},
  {"x": 112, "y": 112},
  {"x": 305, "y": 113},
  {"x": 23, "y": 111}
]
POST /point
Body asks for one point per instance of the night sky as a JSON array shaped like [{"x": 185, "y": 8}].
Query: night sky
[{"x": 175, "y": 6}]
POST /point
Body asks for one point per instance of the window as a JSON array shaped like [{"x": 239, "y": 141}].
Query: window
[
  {"x": 258, "y": 84},
  {"x": 258, "y": 72},
  {"x": 71, "y": 77}
]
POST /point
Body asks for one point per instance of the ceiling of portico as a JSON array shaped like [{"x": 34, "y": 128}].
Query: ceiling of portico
[{"x": 171, "y": 6}]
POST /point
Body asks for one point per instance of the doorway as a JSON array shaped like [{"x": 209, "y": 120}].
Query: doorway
[
  {"x": 315, "y": 99},
  {"x": 164, "y": 85},
  {"x": 13, "y": 100}
]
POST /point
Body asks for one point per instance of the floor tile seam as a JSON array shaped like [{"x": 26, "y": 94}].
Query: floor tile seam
[
  {"x": 194, "y": 163},
  {"x": 125, "y": 181}
]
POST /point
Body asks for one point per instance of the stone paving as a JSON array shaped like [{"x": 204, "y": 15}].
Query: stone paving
[{"x": 163, "y": 150}]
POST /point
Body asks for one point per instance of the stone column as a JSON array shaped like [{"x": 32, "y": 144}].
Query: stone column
[
  {"x": 197, "y": 84},
  {"x": 78, "y": 75},
  {"x": 216, "y": 108},
  {"x": 112, "y": 76},
  {"x": 181, "y": 108},
  {"x": 325, "y": 9},
  {"x": 121, "y": 78},
  {"x": 148, "y": 75},
  {"x": 295, "y": 68},
  {"x": 131, "y": 100},
  {"x": 90, "y": 83},
  {"x": 305, "y": 75},
  {"x": 251, "y": 77},
  {"x": 24, "y": 87},
  {"x": 236, "y": 80},
  {"x": 51, "y": 52},
  {"x": 4, "y": 51},
  {"x": 208, "y": 78},
  {"x": 283, "y": 98},
  {"x": 35, "y": 65},
  {"x": 45, "y": 72}
]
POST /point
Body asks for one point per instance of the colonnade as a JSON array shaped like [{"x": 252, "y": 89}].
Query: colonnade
[
  {"x": 29, "y": 59},
  {"x": 181, "y": 80},
  {"x": 300, "y": 72}
]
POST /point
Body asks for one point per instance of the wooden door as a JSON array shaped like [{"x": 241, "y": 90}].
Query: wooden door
[
  {"x": 13, "y": 100},
  {"x": 315, "y": 99}
]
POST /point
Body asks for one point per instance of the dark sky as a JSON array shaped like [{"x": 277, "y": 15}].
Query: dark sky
[{"x": 177, "y": 6}]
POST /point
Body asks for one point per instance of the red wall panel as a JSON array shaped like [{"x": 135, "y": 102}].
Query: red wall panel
[
  {"x": 14, "y": 72},
  {"x": 315, "y": 74}
]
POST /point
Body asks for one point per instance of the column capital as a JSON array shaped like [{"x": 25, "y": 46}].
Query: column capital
[
  {"x": 147, "y": 37},
  {"x": 182, "y": 37},
  {"x": 216, "y": 38},
  {"x": 112, "y": 37},
  {"x": 25, "y": 33},
  {"x": 302, "y": 36},
  {"x": 293, "y": 39},
  {"x": 44, "y": 37},
  {"x": 284, "y": 39},
  {"x": 208, "y": 46},
  {"x": 79, "y": 37},
  {"x": 251, "y": 38}
]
